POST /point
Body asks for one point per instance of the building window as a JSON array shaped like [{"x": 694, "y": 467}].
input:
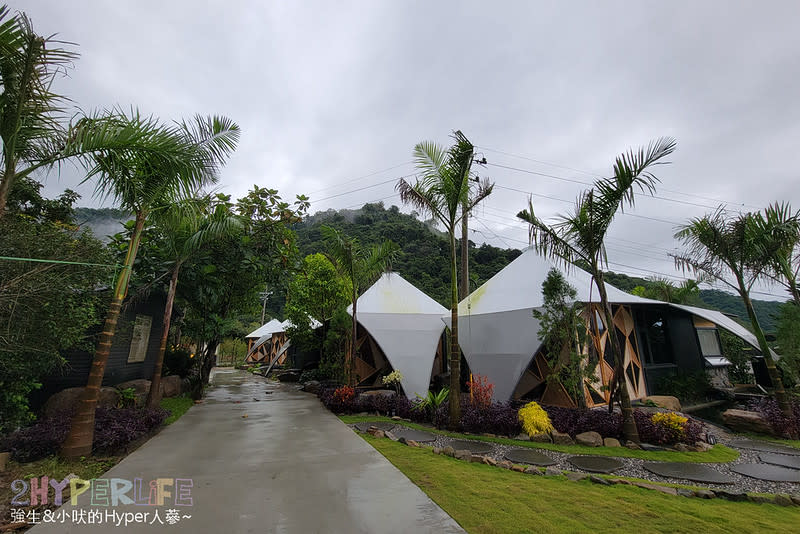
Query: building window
[
  {"x": 654, "y": 338},
  {"x": 709, "y": 342},
  {"x": 140, "y": 338}
]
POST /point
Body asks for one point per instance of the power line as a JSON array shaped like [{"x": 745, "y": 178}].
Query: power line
[
  {"x": 360, "y": 177},
  {"x": 596, "y": 175},
  {"x": 362, "y": 188}
]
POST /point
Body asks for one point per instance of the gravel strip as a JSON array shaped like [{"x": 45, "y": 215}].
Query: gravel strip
[{"x": 632, "y": 467}]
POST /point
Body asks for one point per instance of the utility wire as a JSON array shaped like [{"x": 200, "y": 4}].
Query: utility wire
[{"x": 691, "y": 195}]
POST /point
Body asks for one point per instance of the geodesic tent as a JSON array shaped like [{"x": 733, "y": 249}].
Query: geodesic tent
[
  {"x": 403, "y": 325},
  {"x": 500, "y": 337}
]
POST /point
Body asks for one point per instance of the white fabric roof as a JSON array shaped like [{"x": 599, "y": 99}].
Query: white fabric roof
[
  {"x": 267, "y": 329},
  {"x": 406, "y": 324},
  {"x": 499, "y": 335},
  {"x": 519, "y": 286}
]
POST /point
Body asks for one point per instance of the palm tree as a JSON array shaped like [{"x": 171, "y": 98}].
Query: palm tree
[
  {"x": 731, "y": 249},
  {"x": 32, "y": 128},
  {"x": 141, "y": 182},
  {"x": 443, "y": 190},
  {"x": 663, "y": 289},
  {"x": 780, "y": 231},
  {"x": 184, "y": 230},
  {"x": 359, "y": 266},
  {"x": 579, "y": 238}
]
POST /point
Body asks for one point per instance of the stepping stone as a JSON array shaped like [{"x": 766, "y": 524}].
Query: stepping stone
[
  {"x": 380, "y": 425},
  {"x": 475, "y": 447},
  {"x": 417, "y": 435},
  {"x": 773, "y": 473},
  {"x": 529, "y": 456},
  {"x": 595, "y": 464},
  {"x": 792, "y": 462},
  {"x": 688, "y": 471},
  {"x": 764, "y": 446}
]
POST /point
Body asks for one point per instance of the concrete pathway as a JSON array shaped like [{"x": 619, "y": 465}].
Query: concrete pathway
[{"x": 289, "y": 466}]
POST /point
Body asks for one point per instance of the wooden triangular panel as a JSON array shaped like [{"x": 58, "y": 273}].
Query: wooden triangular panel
[{"x": 556, "y": 395}]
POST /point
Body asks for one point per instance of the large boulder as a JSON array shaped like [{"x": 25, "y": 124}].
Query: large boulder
[
  {"x": 67, "y": 399},
  {"x": 312, "y": 386},
  {"x": 140, "y": 386},
  {"x": 171, "y": 386},
  {"x": 665, "y": 401},
  {"x": 589, "y": 439},
  {"x": 745, "y": 421},
  {"x": 292, "y": 375},
  {"x": 560, "y": 438}
]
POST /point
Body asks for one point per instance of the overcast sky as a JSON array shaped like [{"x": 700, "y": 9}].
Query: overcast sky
[{"x": 327, "y": 93}]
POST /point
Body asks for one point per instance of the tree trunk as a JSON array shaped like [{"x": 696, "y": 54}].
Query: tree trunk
[
  {"x": 81, "y": 433},
  {"x": 5, "y": 187},
  {"x": 780, "y": 393},
  {"x": 154, "y": 395},
  {"x": 455, "y": 352},
  {"x": 350, "y": 357},
  {"x": 463, "y": 284},
  {"x": 207, "y": 363},
  {"x": 629, "y": 430}
]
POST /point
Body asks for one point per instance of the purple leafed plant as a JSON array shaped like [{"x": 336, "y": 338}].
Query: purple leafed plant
[
  {"x": 782, "y": 425},
  {"x": 114, "y": 430}
]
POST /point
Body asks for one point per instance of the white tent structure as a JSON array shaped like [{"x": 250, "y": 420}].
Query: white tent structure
[
  {"x": 500, "y": 337},
  {"x": 260, "y": 337},
  {"x": 406, "y": 325}
]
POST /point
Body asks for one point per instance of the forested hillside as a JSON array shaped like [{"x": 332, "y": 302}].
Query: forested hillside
[
  {"x": 424, "y": 250},
  {"x": 424, "y": 253}
]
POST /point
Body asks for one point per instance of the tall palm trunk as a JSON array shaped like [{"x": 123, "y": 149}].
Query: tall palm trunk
[
  {"x": 780, "y": 393},
  {"x": 5, "y": 187},
  {"x": 629, "y": 429},
  {"x": 463, "y": 287},
  {"x": 455, "y": 352},
  {"x": 154, "y": 395},
  {"x": 350, "y": 357},
  {"x": 81, "y": 433}
]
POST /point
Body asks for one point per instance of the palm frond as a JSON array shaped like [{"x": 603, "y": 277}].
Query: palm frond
[
  {"x": 421, "y": 198},
  {"x": 549, "y": 241},
  {"x": 430, "y": 159}
]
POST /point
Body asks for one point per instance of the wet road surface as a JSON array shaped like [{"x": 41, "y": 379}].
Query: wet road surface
[{"x": 288, "y": 466}]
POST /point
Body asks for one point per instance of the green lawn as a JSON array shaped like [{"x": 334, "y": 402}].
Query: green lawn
[
  {"x": 718, "y": 454},
  {"x": 177, "y": 406},
  {"x": 486, "y": 499}
]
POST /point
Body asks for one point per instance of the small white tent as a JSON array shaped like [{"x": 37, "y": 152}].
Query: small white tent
[{"x": 406, "y": 324}]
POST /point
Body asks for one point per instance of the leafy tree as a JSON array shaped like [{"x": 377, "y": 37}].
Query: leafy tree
[
  {"x": 32, "y": 117},
  {"x": 788, "y": 337},
  {"x": 444, "y": 192},
  {"x": 223, "y": 281},
  {"x": 141, "y": 182},
  {"x": 316, "y": 292},
  {"x": 562, "y": 329},
  {"x": 184, "y": 230},
  {"x": 729, "y": 249},
  {"x": 45, "y": 307},
  {"x": 580, "y": 237},
  {"x": 359, "y": 266},
  {"x": 738, "y": 353}
]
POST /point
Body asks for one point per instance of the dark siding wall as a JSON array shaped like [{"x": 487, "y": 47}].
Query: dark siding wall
[
  {"x": 684, "y": 343},
  {"x": 76, "y": 372}
]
